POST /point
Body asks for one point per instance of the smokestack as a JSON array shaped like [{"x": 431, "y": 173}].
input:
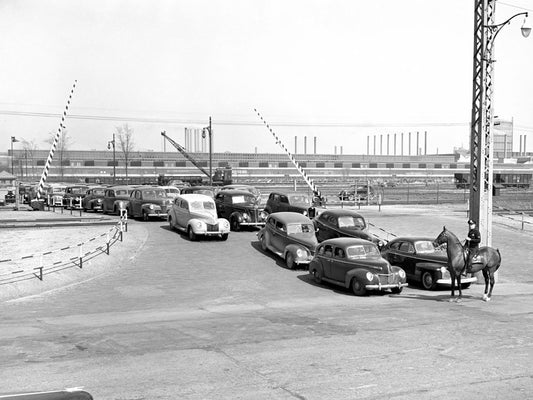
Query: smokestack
[
  {"x": 380, "y": 145},
  {"x": 425, "y": 142},
  {"x": 505, "y": 146},
  {"x": 341, "y": 150},
  {"x": 305, "y": 144},
  {"x": 335, "y": 150},
  {"x": 387, "y": 144},
  {"x": 402, "y": 145},
  {"x": 525, "y": 151},
  {"x": 394, "y": 144},
  {"x": 409, "y": 150},
  {"x": 520, "y": 149},
  {"x": 417, "y": 143},
  {"x": 374, "y": 144},
  {"x": 296, "y": 145},
  {"x": 314, "y": 144},
  {"x": 368, "y": 145}
]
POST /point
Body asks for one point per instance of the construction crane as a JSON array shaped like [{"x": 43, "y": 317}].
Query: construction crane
[{"x": 218, "y": 175}]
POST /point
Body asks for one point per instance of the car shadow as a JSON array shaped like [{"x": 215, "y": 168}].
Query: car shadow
[
  {"x": 280, "y": 262},
  {"x": 184, "y": 236}
]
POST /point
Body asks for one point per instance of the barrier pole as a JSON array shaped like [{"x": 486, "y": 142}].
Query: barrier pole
[{"x": 81, "y": 255}]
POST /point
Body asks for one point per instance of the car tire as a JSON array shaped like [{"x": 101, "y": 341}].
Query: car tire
[
  {"x": 170, "y": 223},
  {"x": 289, "y": 261},
  {"x": 465, "y": 285},
  {"x": 428, "y": 280},
  {"x": 224, "y": 237},
  {"x": 317, "y": 276},
  {"x": 145, "y": 216},
  {"x": 191, "y": 234},
  {"x": 396, "y": 290},
  {"x": 263, "y": 243},
  {"x": 358, "y": 287},
  {"x": 235, "y": 226}
]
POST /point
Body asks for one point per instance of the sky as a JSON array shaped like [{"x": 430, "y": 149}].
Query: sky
[{"x": 343, "y": 71}]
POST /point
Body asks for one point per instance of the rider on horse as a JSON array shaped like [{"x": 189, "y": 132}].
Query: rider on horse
[{"x": 472, "y": 243}]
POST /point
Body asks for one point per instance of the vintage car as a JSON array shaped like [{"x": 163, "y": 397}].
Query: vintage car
[
  {"x": 207, "y": 190},
  {"x": 340, "y": 222},
  {"x": 423, "y": 263},
  {"x": 356, "y": 264},
  {"x": 116, "y": 198},
  {"x": 357, "y": 193},
  {"x": 240, "y": 208},
  {"x": 290, "y": 201},
  {"x": 248, "y": 188},
  {"x": 147, "y": 202},
  {"x": 74, "y": 195},
  {"x": 172, "y": 191},
  {"x": 54, "y": 194},
  {"x": 93, "y": 199},
  {"x": 196, "y": 214},
  {"x": 291, "y": 236},
  {"x": 9, "y": 197}
]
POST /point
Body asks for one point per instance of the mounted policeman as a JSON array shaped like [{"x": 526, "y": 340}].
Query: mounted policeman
[{"x": 472, "y": 243}]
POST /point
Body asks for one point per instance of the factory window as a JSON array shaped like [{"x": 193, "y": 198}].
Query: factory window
[
  {"x": 40, "y": 162},
  {"x": 203, "y": 163},
  {"x": 438, "y": 166},
  {"x": 181, "y": 163},
  {"x": 109, "y": 163},
  {"x": 422, "y": 165},
  {"x": 243, "y": 164},
  {"x": 263, "y": 165},
  {"x": 390, "y": 165},
  {"x": 356, "y": 165},
  {"x": 90, "y": 163},
  {"x": 65, "y": 163},
  {"x": 303, "y": 164},
  {"x": 159, "y": 163},
  {"x": 454, "y": 166},
  {"x": 372, "y": 165},
  {"x": 136, "y": 163},
  {"x": 223, "y": 164},
  {"x": 320, "y": 165},
  {"x": 337, "y": 165},
  {"x": 282, "y": 164},
  {"x": 406, "y": 165}
]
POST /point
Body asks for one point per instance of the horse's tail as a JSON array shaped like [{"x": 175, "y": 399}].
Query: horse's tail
[{"x": 499, "y": 259}]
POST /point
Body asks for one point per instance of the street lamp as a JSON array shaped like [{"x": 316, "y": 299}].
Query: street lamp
[
  {"x": 109, "y": 144},
  {"x": 209, "y": 130},
  {"x": 13, "y": 140},
  {"x": 481, "y": 139}
]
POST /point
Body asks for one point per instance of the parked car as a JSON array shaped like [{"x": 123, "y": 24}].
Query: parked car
[
  {"x": 290, "y": 201},
  {"x": 357, "y": 193},
  {"x": 340, "y": 222},
  {"x": 240, "y": 208},
  {"x": 74, "y": 195},
  {"x": 356, "y": 264},
  {"x": 291, "y": 236},
  {"x": 423, "y": 263},
  {"x": 248, "y": 188},
  {"x": 147, "y": 202},
  {"x": 172, "y": 191},
  {"x": 9, "y": 197},
  {"x": 93, "y": 199},
  {"x": 54, "y": 194},
  {"x": 207, "y": 190},
  {"x": 196, "y": 214},
  {"x": 116, "y": 198}
]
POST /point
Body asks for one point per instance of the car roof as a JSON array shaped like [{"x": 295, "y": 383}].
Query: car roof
[
  {"x": 237, "y": 192},
  {"x": 127, "y": 187},
  {"x": 199, "y": 187},
  {"x": 341, "y": 211},
  {"x": 195, "y": 197},
  {"x": 290, "y": 217},
  {"x": 147, "y": 187},
  {"x": 411, "y": 239},
  {"x": 345, "y": 241},
  {"x": 287, "y": 192}
]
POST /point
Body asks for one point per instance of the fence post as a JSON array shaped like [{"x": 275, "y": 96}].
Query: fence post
[
  {"x": 522, "y": 220},
  {"x": 107, "y": 242},
  {"x": 81, "y": 255}
]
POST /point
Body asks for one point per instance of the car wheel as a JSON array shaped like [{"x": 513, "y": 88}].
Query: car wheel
[
  {"x": 317, "y": 276},
  {"x": 263, "y": 243},
  {"x": 192, "y": 235},
  {"x": 428, "y": 280},
  {"x": 358, "y": 288},
  {"x": 397, "y": 290},
  {"x": 465, "y": 285},
  {"x": 289, "y": 260},
  {"x": 235, "y": 226},
  {"x": 145, "y": 216},
  {"x": 224, "y": 237}
]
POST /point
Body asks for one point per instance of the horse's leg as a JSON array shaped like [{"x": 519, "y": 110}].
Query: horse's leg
[
  {"x": 491, "y": 274},
  {"x": 486, "y": 277},
  {"x": 452, "y": 275},
  {"x": 459, "y": 287}
]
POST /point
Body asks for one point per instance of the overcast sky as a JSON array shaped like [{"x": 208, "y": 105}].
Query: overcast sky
[{"x": 337, "y": 70}]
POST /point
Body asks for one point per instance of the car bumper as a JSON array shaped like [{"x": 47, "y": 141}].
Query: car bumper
[
  {"x": 379, "y": 286},
  {"x": 211, "y": 233},
  {"x": 244, "y": 223},
  {"x": 448, "y": 281},
  {"x": 158, "y": 214}
]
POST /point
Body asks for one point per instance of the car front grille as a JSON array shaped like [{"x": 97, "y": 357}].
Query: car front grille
[
  {"x": 386, "y": 279},
  {"x": 212, "y": 228}
]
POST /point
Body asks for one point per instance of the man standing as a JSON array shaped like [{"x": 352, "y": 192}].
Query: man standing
[{"x": 472, "y": 240}]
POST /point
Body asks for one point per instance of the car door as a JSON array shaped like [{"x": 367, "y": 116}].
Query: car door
[
  {"x": 339, "y": 264},
  {"x": 406, "y": 258},
  {"x": 326, "y": 258},
  {"x": 283, "y": 203},
  {"x": 136, "y": 203},
  {"x": 279, "y": 236},
  {"x": 220, "y": 200},
  {"x": 183, "y": 213}
]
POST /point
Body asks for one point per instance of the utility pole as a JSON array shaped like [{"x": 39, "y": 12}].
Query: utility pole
[
  {"x": 112, "y": 142},
  {"x": 209, "y": 131}
]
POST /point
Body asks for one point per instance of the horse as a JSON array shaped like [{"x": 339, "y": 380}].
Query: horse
[{"x": 488, "y": 261}]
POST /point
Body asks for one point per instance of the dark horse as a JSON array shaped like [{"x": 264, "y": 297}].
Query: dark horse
[{"x": 488, "y": 261}]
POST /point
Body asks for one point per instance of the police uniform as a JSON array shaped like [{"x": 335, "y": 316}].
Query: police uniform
[{"x": 473, "y": 243}]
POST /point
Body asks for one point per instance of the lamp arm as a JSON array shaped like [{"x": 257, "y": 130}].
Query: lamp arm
[{"x": 498, "y": 27}]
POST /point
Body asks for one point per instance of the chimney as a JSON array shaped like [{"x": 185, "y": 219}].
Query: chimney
[
  {"x": 417, "y": 143},
  {"x": 409, "y": 149},
  {"x": 305, "y": 144},
  {"x": 380, "y": 145},
  {"x": 394, "y": 144},
  {"x": 425, "y": 142},
  {"x": 368, "y": 145},
  {"x": 314, "y": 144},
  {"x": 402, "y": 145},
  {"x": 387, "y": 144}
]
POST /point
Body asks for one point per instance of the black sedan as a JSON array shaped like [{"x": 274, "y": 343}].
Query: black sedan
[
  {"x": 343, "y": 223},
  {"x": 422, "y": 261}
]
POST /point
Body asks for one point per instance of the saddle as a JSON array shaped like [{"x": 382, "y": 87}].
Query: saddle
[{"x": 471, "y": 259}]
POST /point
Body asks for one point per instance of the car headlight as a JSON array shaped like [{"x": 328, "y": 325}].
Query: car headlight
[
  {"x": 305, "y": 213},
  {"x": 225, "y": 224},
  {"x": 151, "y": 206},
  {"x": 401, "y": 273},
  {"x": 369, "y": 276},
  {"x": 301, "y": 253},
  {"x": 263, "y": 215},
  {"x": 199, "y": 224},
  {"x": 245, "y": 216}
]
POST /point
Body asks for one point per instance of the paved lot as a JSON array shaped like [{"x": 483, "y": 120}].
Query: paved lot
[{"x": 223, "y": 320}]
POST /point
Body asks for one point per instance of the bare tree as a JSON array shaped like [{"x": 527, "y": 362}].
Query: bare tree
[
  {"x": 62, "y": 146},
  {"x": 30, "y": 148},
  {"x": 125, "y": 143}
]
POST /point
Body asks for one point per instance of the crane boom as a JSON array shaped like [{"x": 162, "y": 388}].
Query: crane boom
[{"x": 182, "y": 150}]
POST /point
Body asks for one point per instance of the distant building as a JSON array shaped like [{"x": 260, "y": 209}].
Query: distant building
[{"x": 502, "y": 138}]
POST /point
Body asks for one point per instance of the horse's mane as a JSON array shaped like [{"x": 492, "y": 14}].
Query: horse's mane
[{"x": 452, "y": 236}]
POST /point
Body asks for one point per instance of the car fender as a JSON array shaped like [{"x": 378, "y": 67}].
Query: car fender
[
  {"x": 358, "y": 273},
  {"x": 314, "y": 264},
  {"x": 192, "y": 224},
  {"x": 292, "y": 248},
  {"x": 146, "y": 207},
  {"x": 427, "y": 266},
  {"x": 236, "y": 214}
]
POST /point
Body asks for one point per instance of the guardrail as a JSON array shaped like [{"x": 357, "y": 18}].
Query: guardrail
[
  {"x": 510, "y": 214},
  {"x": 87, "y": 250}
]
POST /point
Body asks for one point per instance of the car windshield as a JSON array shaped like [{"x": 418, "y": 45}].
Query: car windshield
[
  {"x": 243, "y": 199},
  {"x": 155, "y": 194},
  {"x": 299, "y": 199},
  {"x": 172, "y": 190},
  {"x": 348, "y": 221},
  {"x": 362, "y": 251},
  {"x": 122, "y": 192},
  {"x": 77, "y": 190},
  {"x": 58, "y": 190},
  {"x": 207, "y": 192},
  {"x": 202, "y": 205},
  {"x": 300, "y": 229},
  {"x": 99, "y": 192},
  {"x": 425, "y": 246}
]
